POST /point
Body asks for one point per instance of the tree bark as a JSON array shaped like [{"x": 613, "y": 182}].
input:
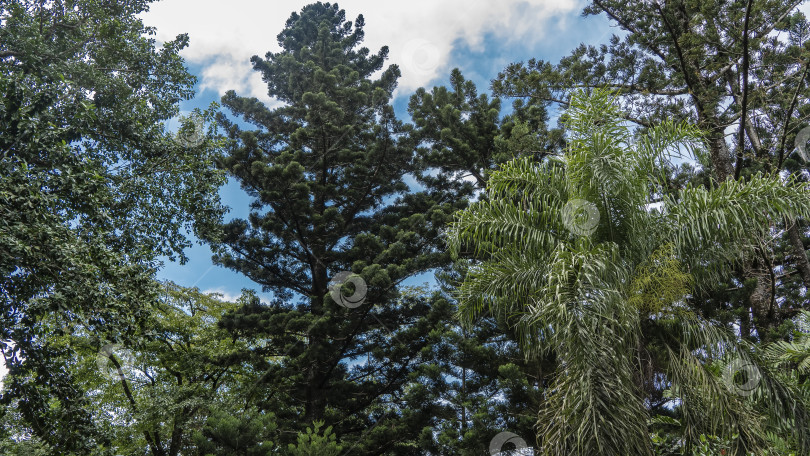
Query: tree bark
[{"x": 798, "y": 252}]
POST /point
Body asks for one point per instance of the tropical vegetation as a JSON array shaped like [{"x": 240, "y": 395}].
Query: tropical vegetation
[{"x": 616, "y": 244}]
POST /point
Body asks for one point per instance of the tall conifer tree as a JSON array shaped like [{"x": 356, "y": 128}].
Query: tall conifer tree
[{"x": 327, "y": 174}]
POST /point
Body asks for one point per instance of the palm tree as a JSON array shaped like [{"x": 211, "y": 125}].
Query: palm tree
[
  {"x": 796, "y": 351},
  {"x": 594, "y": 265}
]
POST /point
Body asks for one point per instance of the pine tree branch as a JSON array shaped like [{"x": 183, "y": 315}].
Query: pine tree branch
[
  {"x": 687, "y": 76},
  {"x": 799, "y": 85},
  {"x": 744, "y": 107},
  {"x": 629, "y": 27}
]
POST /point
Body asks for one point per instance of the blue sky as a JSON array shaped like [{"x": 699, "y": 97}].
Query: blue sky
[{"x": 426, "y": 39}]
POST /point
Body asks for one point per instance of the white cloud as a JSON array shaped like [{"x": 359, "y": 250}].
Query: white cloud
[
  {"x": 420, "y": 34},
  {"x": 229, "y": 295},
  {"x": 225, "y": 294}
]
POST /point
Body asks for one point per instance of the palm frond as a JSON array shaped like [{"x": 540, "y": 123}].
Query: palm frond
[
  {"x": 724, "y": 224},
  {"x": 583, "y": 295}
]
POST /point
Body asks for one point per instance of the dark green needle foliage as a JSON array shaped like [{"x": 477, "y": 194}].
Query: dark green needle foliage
[
  {"x": 486, "y": 385},
  {"x": 328, "y": 172},
  {"x": 457, "y": 128},
  {"x": 463, "y": 135}
]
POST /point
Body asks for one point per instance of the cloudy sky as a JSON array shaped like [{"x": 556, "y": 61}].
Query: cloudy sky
[{"x": 427, "y": 39}]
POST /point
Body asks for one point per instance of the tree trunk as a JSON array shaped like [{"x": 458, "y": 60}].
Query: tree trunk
[
  {"x": 318, "y": 350},
  {"x": 720, "y": 155},
  {"x": 762, "y": 298},
  {"x": 798, "y": 252}
]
